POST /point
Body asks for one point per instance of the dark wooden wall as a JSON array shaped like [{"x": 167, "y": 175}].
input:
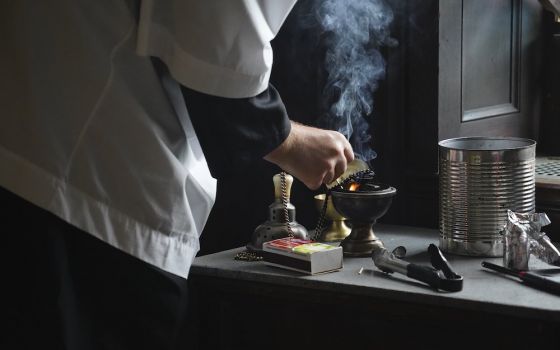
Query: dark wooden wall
[
  {"x": 415, "y": 106},
  {"x": 405, "y": 128}
]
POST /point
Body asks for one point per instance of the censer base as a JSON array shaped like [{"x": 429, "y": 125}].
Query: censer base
[
  {"x": 361, "y": 242},
  {"x": 336, "y": 232}
]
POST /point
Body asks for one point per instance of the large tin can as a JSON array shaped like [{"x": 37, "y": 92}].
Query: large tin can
[{"x": 480, "y": 178}]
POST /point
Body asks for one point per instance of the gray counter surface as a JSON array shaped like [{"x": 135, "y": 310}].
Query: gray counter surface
[{"x": 483, "y": 290}]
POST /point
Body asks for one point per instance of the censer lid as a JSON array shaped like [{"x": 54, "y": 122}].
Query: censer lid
[{"x": 353, "y": 167}]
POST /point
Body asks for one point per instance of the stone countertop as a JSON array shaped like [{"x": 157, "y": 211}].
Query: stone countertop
[{"x": 483, "y": 290}]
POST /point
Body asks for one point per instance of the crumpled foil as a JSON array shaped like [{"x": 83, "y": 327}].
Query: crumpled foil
[{"x": 523, "y": 237}]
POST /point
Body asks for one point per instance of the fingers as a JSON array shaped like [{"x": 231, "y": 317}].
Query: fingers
[
  {"x": 339, "y": 168},
  {"x": 349, "y": 153},
  {"x": 346, "y": 156},
  {"x": 330, "y": 176},
  {"x": 314, "y": 156},
  {"x": 336, "y": 170}
]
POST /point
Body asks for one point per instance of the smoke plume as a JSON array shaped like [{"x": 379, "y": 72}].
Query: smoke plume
[{"x": 353, "y": 32}]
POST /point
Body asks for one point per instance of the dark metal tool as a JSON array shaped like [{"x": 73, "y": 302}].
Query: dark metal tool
[
  {"x": 439, "y": 276},
  {"x": 529, "y": 278}
]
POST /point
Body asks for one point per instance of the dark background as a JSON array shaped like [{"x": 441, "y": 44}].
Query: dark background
[{"x": 405, "y": 125}]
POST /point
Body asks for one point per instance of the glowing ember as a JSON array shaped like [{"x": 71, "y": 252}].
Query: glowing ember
[{"x": 354, "y": 186}]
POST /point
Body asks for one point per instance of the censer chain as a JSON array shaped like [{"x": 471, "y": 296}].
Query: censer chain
[
  {"x": 248, "y": 256},
  {"x": 284, "y": 195},
  {"x": 357, "y": 176},
  {"x": 321, "y": 222},
  {"x": 254, "y": 256}
]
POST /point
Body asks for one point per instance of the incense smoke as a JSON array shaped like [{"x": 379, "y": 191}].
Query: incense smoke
[{"x": 354, "y": 31}]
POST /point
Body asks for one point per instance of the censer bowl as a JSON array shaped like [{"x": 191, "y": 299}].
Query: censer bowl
[{"x": 362, "y": 209}]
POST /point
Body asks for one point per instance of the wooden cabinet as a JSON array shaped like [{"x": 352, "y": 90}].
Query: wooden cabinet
[
  {"x": 462, "y": 68},
  {"x": 490, "y": 55}
]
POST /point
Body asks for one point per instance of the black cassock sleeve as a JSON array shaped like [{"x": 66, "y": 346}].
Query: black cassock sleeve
[{"x": 233, "y": 133}]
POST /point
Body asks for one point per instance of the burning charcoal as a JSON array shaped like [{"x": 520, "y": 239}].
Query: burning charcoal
[
  {"x": 357, "y": 180},
  {"x": 362, "y": 187}
]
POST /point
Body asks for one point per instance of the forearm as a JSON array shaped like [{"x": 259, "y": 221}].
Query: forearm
[
  {"x": 236, "y": 132},
  {"x": 314, "y": 156}
]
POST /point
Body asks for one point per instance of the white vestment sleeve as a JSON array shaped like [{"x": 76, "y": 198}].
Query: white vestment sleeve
[{"x": 218, "y": 47}]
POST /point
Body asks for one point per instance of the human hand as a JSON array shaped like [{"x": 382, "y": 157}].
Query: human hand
[{"x": 314, "y": 156}]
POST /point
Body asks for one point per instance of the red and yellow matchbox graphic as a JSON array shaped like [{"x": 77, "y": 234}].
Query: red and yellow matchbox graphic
[
  {"x": 287, "y": 243},
  {"x": 301, "y": 255}
]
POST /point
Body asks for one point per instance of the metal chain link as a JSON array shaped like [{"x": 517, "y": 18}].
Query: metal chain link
[
  {"x": 254, "y": 256},
  {"x": 284, "y": 195},
  {"x": 248, "y": 256},
  {"x": 320, "y": 227},
  {"x": 357, "y": 176}
]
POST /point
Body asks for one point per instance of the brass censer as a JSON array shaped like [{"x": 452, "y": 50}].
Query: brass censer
[
  {"x": 356, "y": 196},
  {"x": 337, "y": 230}
]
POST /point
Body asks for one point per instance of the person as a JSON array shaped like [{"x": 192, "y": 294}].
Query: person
[{"x": 115, "y": 115}]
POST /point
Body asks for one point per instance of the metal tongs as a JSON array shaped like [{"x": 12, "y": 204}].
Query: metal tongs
[{"x": 439, "y": 276}]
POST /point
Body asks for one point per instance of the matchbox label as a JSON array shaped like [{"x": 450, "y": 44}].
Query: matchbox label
[
  {"x": 302, "y": 255},
  {"x": 298, "y": 246},
  {"x": 287, "y": 244},
  {"x": 310, "y": 248}
]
